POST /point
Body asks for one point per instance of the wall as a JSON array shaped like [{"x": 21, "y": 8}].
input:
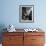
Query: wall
[{"x": 9, "y": 13}]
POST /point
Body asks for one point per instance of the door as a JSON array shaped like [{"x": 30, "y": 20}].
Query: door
[
  {"x": 37, "y": 40},
  {"x": 13, "y": 40},
  {"x": 27, "y": 39}
]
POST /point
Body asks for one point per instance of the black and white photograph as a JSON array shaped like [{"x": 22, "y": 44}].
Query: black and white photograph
[{"x": 26, "y": 13}]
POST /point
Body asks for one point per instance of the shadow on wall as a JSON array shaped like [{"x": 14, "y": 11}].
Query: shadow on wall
[{"x": 2, "y": 26}]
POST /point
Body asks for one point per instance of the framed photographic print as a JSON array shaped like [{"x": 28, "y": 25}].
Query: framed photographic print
[{"x": 26, "y": 13}]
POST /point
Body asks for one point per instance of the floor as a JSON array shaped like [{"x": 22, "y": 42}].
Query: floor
[{"x": 0, "y": 44}]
